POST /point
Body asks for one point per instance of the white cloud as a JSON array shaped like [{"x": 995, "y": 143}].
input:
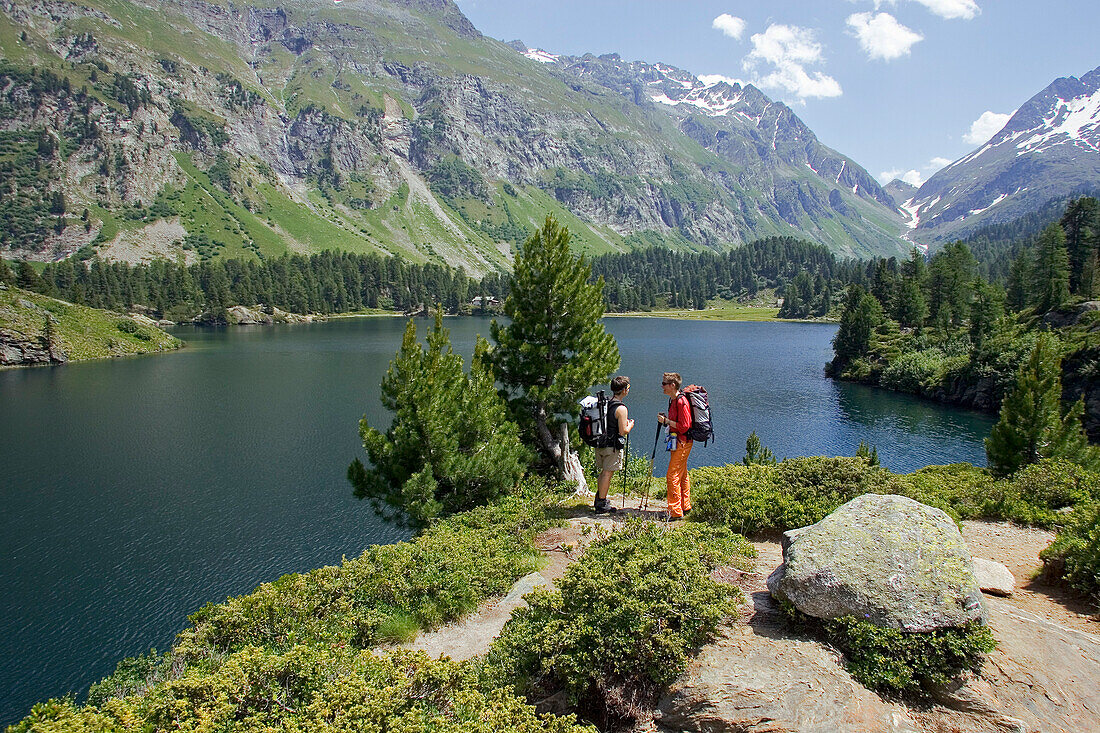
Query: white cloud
[
  {"x": 912, "y": 177},
  {"x": 965, "y": 9},
  {"x": 949, "y": 9},
  {"x": 789, "y": 49},
  {"x": 730, "y": 25},
  {"x": 985, "y": 127},
  {"x": 882, "y": 36},
  {"x": 712, "y": 79}
]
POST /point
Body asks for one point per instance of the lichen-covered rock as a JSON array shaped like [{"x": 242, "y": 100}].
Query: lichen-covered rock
[{"x": 889, "y": 559}]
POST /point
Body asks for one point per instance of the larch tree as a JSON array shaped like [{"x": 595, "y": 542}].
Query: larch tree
[
  {"x": 554, "y": 347},
  {"x": 1050, "y": 272}
]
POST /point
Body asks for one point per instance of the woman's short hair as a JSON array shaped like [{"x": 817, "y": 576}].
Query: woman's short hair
[
  {"x": 673, "y": 377},
  {"x": 619, "y": 383}
]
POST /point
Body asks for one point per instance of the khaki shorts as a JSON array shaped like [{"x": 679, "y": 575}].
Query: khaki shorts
[{"x": 609, "y": 459}]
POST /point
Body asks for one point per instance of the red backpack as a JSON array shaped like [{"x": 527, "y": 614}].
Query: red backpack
[{"x": 700, "y": 429}]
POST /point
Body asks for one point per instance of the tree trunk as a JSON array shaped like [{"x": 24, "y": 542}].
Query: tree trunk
[
  {"x": 572, "y": 469},
  {"x": 567, "y": 461},
  {"x": 552, "y": 447}
]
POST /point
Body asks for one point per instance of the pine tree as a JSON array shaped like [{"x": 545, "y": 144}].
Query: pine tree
[
  {"x": 450, "y": 446},
  {"x": 1032, "y": 425},
  {"x": 555, "y": 347},
  {"x": 1050, "y": 272},
  {"x": 985, "y": 311},
  {"x": 28, "y": 279},
  {"x": 861, "y": 316},
  {"x": 1080, "y": 224},
  {"x": 755, "y": 455},
  {"x": 1017, "y": 292},
  {"x": 868, "y": 453},
  {"x": 7, "y": 277}
]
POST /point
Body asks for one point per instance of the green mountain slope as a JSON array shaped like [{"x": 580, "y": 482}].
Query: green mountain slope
[{"x": 194, "y": 129}]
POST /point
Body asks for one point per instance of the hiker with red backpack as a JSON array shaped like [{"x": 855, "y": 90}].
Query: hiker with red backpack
[{"x": 687, "y": 420}]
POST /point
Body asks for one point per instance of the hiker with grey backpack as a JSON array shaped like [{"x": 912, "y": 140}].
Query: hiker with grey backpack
[{"x": 605, "y": 425}]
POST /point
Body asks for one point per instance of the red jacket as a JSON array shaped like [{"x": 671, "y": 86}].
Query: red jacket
[{"x": 679, "y": 411}]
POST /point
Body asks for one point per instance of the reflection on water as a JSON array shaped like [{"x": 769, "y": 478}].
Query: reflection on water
[{"x": 136, "y": 490}]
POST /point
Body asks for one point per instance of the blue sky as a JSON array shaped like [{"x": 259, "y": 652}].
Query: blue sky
[{"x": 902, "y": 86}]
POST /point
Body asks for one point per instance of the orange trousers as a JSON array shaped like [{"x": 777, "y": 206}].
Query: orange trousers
[{"x": 677, "y": 481}]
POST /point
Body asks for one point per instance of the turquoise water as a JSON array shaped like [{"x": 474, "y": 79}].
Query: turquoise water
[{"x": 137, "y": 490}]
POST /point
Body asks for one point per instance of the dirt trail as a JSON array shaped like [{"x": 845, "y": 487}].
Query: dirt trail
[{"x": 1014, "y": 546}]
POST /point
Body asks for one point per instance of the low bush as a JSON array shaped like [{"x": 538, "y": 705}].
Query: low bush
[
  {"x": 431, "y": 580},
  {"x": 802, "y": 491},
  {"x": 622, "y": 621},
  {"x": 315, "y": 689},
  {"x": 1074, "y": 556},
  {"x": 793, "y": 493},
  {"x": 891, "y": 660}
]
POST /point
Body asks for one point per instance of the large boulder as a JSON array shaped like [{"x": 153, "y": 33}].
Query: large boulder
[{"x": 891, "y": 560}]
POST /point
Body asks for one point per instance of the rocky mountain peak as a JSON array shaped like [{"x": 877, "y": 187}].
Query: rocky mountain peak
[{"x": 1049, "y": 148}]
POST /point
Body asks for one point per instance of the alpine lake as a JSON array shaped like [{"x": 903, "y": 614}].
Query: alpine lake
[{"x": 137, "y": 490}]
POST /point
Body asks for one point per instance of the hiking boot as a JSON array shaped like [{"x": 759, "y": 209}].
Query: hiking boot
[{"x": 603, "y": 506}]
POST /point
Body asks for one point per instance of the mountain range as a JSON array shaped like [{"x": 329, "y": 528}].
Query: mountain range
[
  {"x": 190, "y": 129},
  {"x": 183, "y": 128}
]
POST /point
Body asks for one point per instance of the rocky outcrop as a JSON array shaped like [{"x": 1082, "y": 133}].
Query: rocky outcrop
[
  {"x": 889, "y": 559},
  {"x": 762, "y": 676},
  {"x": 15, "y": 350}
]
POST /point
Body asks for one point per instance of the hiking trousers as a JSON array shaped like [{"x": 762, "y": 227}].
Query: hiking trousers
[{"x": 677, "y": 481}]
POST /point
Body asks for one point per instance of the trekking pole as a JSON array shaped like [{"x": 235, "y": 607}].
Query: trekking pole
[
  {"x": 652, "y": 460},
  {"x": 626, "y": 467}
]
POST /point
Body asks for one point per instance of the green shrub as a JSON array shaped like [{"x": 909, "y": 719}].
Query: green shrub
[
  {"x": 1074, "y": 556},
  {"x": 960, "y": 489},
  {"x": 890, "y": 659},
  {"x": 623, "y": 619},
  {"x": 915, "y": 371},
  {"x": 794, "y": 493},
  {"x": 316, "y": 689},
  {"x": 431, "y": 580}
]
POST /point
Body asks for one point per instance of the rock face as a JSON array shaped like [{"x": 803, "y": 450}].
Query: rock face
[{"x": 889, "y": 559}]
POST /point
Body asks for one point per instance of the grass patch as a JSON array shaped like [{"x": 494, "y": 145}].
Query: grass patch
[{"x": 81, "y": 332}]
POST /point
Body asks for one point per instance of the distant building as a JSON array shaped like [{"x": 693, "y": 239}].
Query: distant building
[{"x": 484, "y": 301}]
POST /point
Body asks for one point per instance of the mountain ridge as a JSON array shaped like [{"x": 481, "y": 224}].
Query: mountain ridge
[
  {"x": 1048, "y": 149},
  {"x": 388, "y": 126}
]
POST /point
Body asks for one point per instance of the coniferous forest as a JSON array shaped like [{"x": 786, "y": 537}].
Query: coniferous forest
[{"x": 941, "y": 329}]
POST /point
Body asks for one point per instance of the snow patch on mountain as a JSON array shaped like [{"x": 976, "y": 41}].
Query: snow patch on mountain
[
  {"x": 1076, "y": 121},
  {"x": 537, "y": 54},
  {"x": 993, "y": 203}
]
